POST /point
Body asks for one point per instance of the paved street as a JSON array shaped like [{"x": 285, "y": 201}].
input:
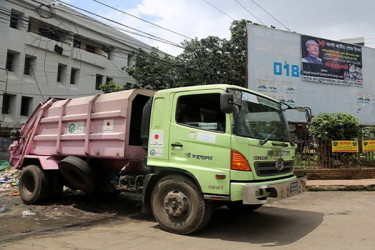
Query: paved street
[{"x": 314, "y": 220}]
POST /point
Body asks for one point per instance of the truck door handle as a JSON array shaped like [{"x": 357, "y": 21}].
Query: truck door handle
[{"x": 177, "y": 145}]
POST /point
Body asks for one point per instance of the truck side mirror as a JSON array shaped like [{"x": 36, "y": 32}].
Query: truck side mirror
[
  {"x": 307, "y": 111},
  {"x": 226, "y": 103},
  {"x": 308, "y": 115}
]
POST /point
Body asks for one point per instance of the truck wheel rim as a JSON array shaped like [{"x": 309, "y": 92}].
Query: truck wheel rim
[
  {"x": 176, "y": 204},
  {"x": 29, "y": 185}
]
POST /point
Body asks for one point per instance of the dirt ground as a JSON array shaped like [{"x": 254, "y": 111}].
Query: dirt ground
[
  {"x": 74, "y": 209},
  {"x": 314, "y": 220}
]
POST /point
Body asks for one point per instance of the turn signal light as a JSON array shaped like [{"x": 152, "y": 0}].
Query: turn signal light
[{"x": 239, "y": 162}]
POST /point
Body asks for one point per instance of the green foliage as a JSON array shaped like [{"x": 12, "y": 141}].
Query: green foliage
[
  {"x": 368, "y": 133},
  {"x": 153, "y": 71},
  {"x": 206, "y": 62},
  {"x": 335, "y": 126},
  {"x": 109, "y": 87},
  {"x": 211, "y": 60}
]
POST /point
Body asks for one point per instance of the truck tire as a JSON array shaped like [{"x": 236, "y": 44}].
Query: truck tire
[
  {"x": 178, "y": 205},
  {"x": 78, "y": 173},
  {"x": 33, "y": 185},
  {"x": 237, "y": 206}
]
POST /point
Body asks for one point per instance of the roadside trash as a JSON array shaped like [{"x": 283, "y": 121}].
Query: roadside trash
[
  {"x": 15, "y": 194},
  {"x": 4, "y": 165},
  {"x": 2, "y": 209},
  {"x": 27, "y": 213},
  {"x": 9, "y": 178}
]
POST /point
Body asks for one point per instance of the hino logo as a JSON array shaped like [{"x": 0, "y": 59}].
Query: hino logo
[{"x": 279, "y": 164}]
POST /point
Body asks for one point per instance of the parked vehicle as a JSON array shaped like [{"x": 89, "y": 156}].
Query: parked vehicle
[{"x": 183, "y": 150}]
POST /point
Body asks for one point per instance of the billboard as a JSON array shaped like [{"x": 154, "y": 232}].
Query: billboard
[
  {"x": 331, "y": 62},
  {"x": 302, "y": 70}
]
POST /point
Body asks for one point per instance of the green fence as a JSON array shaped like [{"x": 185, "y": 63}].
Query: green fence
[{"x": 313, "y": 154}]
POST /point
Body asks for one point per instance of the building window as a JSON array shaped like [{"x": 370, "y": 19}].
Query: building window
[
  {"x": 99, "y": 81},
  {"x": 15, "y": 19},
  {"x": 109, "y": 79},
  {"x": 29, "y": 64},
  {"x": 128, "y": 85},
  {"x": 61, "y": 72},
  {"x": 47, "y": 30},
  {"x": 26, "y": 105},
  {"x": 90, "y": 48},
  {"x": 76, "y": 43},
  {"x": 129, "y": 62},
  {"x": 11, "y": 60},
  {"x": 8, "y": 103},
  {"x": 74, "y": 75}
]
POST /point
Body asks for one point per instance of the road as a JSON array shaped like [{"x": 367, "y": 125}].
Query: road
[{"x": 314, "y": 220}]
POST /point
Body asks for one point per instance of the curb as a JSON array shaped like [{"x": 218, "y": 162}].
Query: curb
[{"x": 341, "y": 188}]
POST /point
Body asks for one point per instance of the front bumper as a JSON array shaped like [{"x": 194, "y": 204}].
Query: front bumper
[{"x": 263, "y": 193}]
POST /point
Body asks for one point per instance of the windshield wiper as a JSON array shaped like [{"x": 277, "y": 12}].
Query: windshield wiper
[{"x": 264, "y": 141}]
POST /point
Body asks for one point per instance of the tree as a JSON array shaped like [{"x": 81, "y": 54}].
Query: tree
[
  {"x": 152, "y": 71},
  {"x": 335, "y": 126},
  {"x": 210, "y": 60},
  {"x": 237, "y": 49},
  {"x": 206, "y": 62},
  {"x": 368, "y": 133},
  {"x": 109, "y": 87}
]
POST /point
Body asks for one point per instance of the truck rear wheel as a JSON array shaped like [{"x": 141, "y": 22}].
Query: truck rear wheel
[
  {"x": 78, "y": 173},
  {"x": 33, "y": 186},
  {"x": 178, "y": 205}
]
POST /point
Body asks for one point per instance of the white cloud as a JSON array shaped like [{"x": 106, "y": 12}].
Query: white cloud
[{"x": 195, "y": 18}]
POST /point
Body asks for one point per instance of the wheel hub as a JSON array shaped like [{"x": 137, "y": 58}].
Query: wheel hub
[{"x": 176, "y": 204}]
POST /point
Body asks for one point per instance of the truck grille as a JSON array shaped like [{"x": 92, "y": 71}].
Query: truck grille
[{"x": 269, "y": 168}]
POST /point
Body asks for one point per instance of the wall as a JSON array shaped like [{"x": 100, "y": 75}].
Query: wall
[{"x": 275, "y": 69}]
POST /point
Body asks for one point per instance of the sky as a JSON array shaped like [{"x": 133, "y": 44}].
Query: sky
[{"x": 329, "y": 19}]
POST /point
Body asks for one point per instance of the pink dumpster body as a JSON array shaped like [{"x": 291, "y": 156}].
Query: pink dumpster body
[{"x": 104, "y": 128}]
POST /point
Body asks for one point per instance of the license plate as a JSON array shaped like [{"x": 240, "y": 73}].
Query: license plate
[{"x": 294, "y": 187}]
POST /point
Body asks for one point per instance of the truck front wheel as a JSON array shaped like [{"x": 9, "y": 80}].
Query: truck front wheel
[
  {"x": 33, "y": 186},
  {"x": 178, "y": 205}
]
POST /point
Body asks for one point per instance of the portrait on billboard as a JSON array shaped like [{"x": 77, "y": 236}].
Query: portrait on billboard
[{"x": 312, "y": 49}]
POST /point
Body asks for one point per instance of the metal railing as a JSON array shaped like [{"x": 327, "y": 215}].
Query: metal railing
[{"x": 313, "y": 154}]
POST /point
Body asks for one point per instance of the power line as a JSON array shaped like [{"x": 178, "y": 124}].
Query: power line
[
  {"x": 150, "y": 36},
  {"x": 248, "y": 11},
  {"x": 218, "y": 9},
  {"x": 117, "y": 39},
  {"x": 118, "y": 23},
  {"x": 127, "y": 31},
  {"x": 145, "y": 55},
  {"x": 37, "y": 84},
  {"x": 269, "y": 14},
  {"x": 126, "y": 13}
]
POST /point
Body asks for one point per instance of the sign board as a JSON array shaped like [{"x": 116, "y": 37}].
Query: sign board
[
  {"x": 345, "y": 146},
  {"x": 330, "y": 77},
  {"x": 368, "y": 146},
  {"x": 327, "y": 61},
  {"x": 76, "y": 127}
]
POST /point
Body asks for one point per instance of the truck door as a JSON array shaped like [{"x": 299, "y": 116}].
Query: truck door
[{"x": 199, "y": 141}]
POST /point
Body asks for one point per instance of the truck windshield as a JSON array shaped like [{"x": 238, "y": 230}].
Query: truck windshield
[{"x": 259, "y": 117}]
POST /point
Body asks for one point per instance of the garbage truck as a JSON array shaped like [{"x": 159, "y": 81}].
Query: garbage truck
[{"x": 182, "y": 151}]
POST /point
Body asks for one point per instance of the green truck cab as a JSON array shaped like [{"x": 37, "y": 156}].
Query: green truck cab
[{"x": 216, "y": 144}]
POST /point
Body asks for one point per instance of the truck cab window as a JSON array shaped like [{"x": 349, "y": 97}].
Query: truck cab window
[{"x": 201, "y": 111}]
